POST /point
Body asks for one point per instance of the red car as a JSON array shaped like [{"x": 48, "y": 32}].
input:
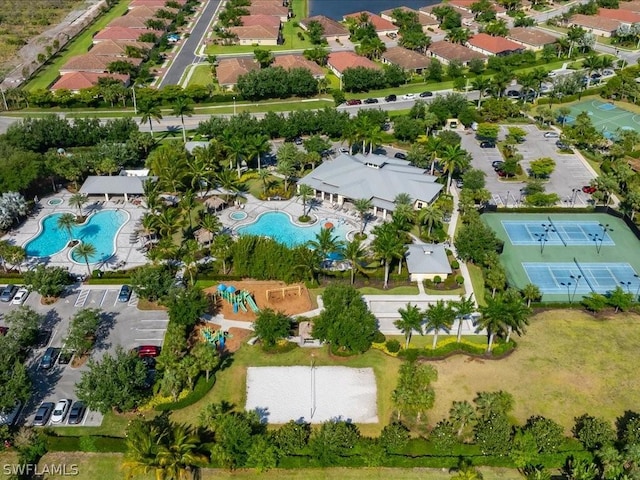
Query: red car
[
  {"x": 354, "y": 101},
  {"x": 589, "y": 189}
]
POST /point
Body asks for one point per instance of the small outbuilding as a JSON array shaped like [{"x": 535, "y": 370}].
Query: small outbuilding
[
  {"x": 115, "y": 185},
  {"x": 425, "y": 261}
]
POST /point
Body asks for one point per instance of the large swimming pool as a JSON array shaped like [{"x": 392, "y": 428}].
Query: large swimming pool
[
  {"x": 278, "y": 226},
  {"x": 99, "y": 230}
]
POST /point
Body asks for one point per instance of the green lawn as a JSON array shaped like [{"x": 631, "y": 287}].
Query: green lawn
[
  {"x": 201, "y": 76},
  {"x": 403, "y": 290},
  {"x": 426, "y": 341},
  {"x": 78, "y": 46},
  {"x": 112, "y": 425},
  {"x": 477, "y": 281}
]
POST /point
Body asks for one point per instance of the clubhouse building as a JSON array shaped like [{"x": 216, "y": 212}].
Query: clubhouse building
[{"x": 375, "y": 177}]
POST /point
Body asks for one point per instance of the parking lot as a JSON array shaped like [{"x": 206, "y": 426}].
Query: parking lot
[
  {"x": 567, "y": 180},
  {"x": 122, "y": 325}
]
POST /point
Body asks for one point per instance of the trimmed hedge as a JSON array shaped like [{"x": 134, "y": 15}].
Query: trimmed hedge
[
  {"x": 499, "y": 350},
  {"x": 86, "y": 443},
  {"x": 200, "y": 389}
]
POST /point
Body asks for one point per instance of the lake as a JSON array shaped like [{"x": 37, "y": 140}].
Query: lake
[{"x": 336, "y": 9}]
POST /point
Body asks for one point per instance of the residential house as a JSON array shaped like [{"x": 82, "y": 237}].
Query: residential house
[
  {"x": 406, "y": 59},
  {"x": 331, "y": 28},
  {"x": 153, "y": 3},
  {"x": 268, "y": 8},
  {"x": 118, "y": 48},
  {"x": 531, "y": 38},
  {"x": 76, "y": 81},
  {"x": 374, "y": 177},
  {"x": 338, "y": 62},
  {"x": 289, "y": 62},
  {"x": 467, "y": 18},
  {"x": 95, "y": 63},
  {"x": 382, "y": 26},
  {"x": 466, "y": 6},
  {"x": 127, "y": 21},
  {"x": 425, "y": 261},
  {"x": 602, "y": 26},
  {"x": 230, "y": 69},
  {"x": 447, "y": 52},
  {"x": 264, "y": 20},
  {"x": 121, "y": 33},
  {"x": 489, "y": 45},
  {"x": 148, "y": 11},
  {"x": 633, "y": 6},
  {"x": 256, "y": 35},
  {"x": 624, "y": 16},
  {"x": 428, "y": 23}
]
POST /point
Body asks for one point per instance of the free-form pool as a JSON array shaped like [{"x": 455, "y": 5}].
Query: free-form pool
[
  {"x": 278, "y": 226},
  {"x": 99, "y": 230}
]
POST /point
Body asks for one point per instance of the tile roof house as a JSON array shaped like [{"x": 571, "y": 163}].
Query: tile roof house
[
  {"x": 128, "y": 21},
  {"x": 94, "y": 63},
  {"x": 531, "y": 38},
  {"x": 338, "y": 62},
  {"x": 266, "y": 20},
  {"x": 332, "y": 29},
  {"x": 256, "y": 35},
  {"x": 374, "y": 177},
  {"x": 446, "y": 52},
  {"x": 633, "y": 6},
  {"x": 464, "y": 14},
  {"x": 466, "y": 5},
  {"x": 121, "y": 33},
  {"x": 148, "y": 11},
  {"x": 425, "y": 261},
  {"x": 76, "y": 81},
  {"x": 382, "y": 26},
  {"x": 152, "y": 3},
  {"x": 426, "y": 21},
  {"x": 625, "y": 16},
  {"x": 118, "y": 48},
  {"x": 602, "y": 26},
  {"x": 230, "y": 69},
  {"x": 489, "y": 45},
  {"x": 289, "y": 62},
  {"x": 406, "y": 59},
  {"x": 268, "y": 8}
]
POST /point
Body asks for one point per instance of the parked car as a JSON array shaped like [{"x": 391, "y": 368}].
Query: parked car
[
  {"x": 409, "y": 96},
  {"x": 60, "y": 410},
  {"x": 589, "y": 189},
  {"x": 43, "y": 337},
  {"x": 8, "y": 293},
  {"x": 125, "y": 293},
  {"x": 513, "y": 94},
  {"x": 551, "y": 135},
  {"x": 344, "y": 150},
  {"x": 65, "y": 357},
  {"x": 21, "y": 296},
  {"x": 497, "y": 164},
  {"x": 562, "y": 146},
  {"x": 487, "y": 144},
  {"x": 297, "y": 141},
  {"x": 43, "y": 414},
  {"x": 354, "y": 101},
  {"x": 147, "y": 350},
  {"x": 76, "y": 414},
  {"x": 607, "y": 72},
  {"x": 49, "y": 358},
  {"x": 401, "y": 156},
  {"x": 426, "y": 94},
  {"x": 390, "y": 98},
  {"x": 371, "y": 100},
  {"x": 10, "y": 417}
]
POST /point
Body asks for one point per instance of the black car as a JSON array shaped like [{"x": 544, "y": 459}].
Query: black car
[
  {"x": 562, "y": 146},
  {"x": 297, "y": 141},
  {"x": 390, "y": 98},
  {"x": 8, "y": 293},
  {"x": 49, "y": 358},
  {"x": 371, "y": 100},
  {"x": 42, "y": 338},
  {"x": 426, "y": 94},
  {"x": 125, "y": 293},
  {"x": 497, "y": 164},
  {"x": 401, "y": 156},
  {"x": 487, "y": 144},
  {"x": 43, "y": 414},
  {"x": 76, "y": 414}
]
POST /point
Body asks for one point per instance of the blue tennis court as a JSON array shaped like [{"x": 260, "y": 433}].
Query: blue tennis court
[
  {"x": 581, "y": 278},
  {"x": 562, "y": 232}
]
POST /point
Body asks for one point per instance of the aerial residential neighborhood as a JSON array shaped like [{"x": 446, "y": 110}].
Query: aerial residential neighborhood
[{"x": 304, "y": 239}]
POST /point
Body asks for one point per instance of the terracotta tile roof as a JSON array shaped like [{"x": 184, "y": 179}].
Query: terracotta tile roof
[
  {"x": 267, "y": 8},
  {"x": 626, "y": 16},
  {"x": 265, "y": 20},
  {"x": 594, "y": 21},
  {"x": 127, "y": 21},
  {"x": 258, "y": 32},
  {"x": 424, "y": 20},
  {"x": 148, "y": 11},
  {"x": 464, "y": 14},
  {"x": 78, "y": 80},
  {"x": 289, "y": 62},
  {"x": 118, "y": 47},
  {"x": 466, "y": 4},
  {"x": 453, "y": 51},
  {"x": 495, "y": 45},
  {"x": 405, "y": 58},
  {"x": 120, "y": 33},
  {"x": 95, "y": 63},
  {"x": 633, "y": 6},
  {"x": 331, "y": 27},
  {"x": 379, "y": 23},
  {"x": 531, "y": 36},
  {"x": 340, "y": 61},
  {"x": 229, "y": 69},
  {"x": 152, "y": 3}
]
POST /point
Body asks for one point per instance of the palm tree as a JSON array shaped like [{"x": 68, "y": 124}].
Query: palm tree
[
  {"x": 574, "y": 35},
  {"x": 210, "y": 223},
  {"x": 429, "y": 215},
  {"x": 494, "y": 318},
  {"x": 187, "y": 204},
  {"x": 180, "y": 452},
  {"x": 221, "y": 249},
  {"x": 286, "y": 169},
  {"x": 181, "y": 108},
  {"x": 362, "y": 206},
  {"x": 168, "y": 221},
  {"x": 387, "y": 246},
  {"x": 257, "y": 145},
  {"x": 439, "y": 316},
  {"x": 517, "y": 312},
  {"x": 189, "y": 251},
  {"x": 142, "y": 451},
  {"x": 264, "y": 175},
  {"x": 355, "y": 253},
  {"x": 304, "y": 192},
  {"x": 403, "y": 217},
  {"x": 325, "y": 242},
  {"x": 67, "y": 221},
  {"x": 463, "y": 307},
  {"x": 411, "y": 319},
  {"x": 78, "y": 200},
  {"x": 461, "y": 414},
  {"x": 86, "y": 250},
  {"x": 531, "y": 292},
  {"x": 482, "y": 84},
  {"x": 235, "y": 148},
  {"x": 453, "y": 158},
  {"x": 149, "y": 111}
]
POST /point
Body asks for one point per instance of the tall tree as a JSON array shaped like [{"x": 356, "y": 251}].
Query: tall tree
[
  {"x": 387, "y": 246},
  {"x": 362, "y": 206},
  {"x": 86, "y": 251},
  {"x": 182, "y": 108},
  {"x": 304, "y": 192},
  {"x": 453, "y": 158},
  {"x": 355, "y": 254},
  {"x": 66, "y": 222},
  {"x": 149, "y": 112},
  {"x": 463, "y": 307},
  {"x": 78, "y": 200},
  {"x": 411, "y": 319},
  {"x": 439, "y": 316}
]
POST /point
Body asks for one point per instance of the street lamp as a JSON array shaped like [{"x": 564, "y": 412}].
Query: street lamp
[
  {"x": 313, "y": 385},
  {"x": 626, "y": 284},
  {"x": 234, "y": 106},
  {"x": 576, "y": 278},
  {"x": 568, "y": 285},
  {"x": 574, "y": 197}
]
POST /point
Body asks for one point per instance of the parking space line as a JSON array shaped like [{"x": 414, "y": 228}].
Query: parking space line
[
  {"x": 82, "y": 298},
  {"x": 104, "y": 296},
  {"x": 133, "y": 301}
]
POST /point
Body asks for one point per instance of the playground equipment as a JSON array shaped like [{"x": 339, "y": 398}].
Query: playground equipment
[
  {"x": 238, "y": 298},
  {"x": 216, "y": 338},
  {"x": 284, "y": 290}
]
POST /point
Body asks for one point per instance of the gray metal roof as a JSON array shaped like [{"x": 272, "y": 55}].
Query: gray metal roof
[
  {"x": 191, "y": 146},
  {"x": 114, "y": 185},
  {"x": 427, "y": 258},
  {"x": 373, "y": 177}
]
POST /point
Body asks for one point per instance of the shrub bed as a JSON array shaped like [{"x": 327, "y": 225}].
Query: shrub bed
[
  {"x": 200, "y": 389},
  {"x": 87, "y": 443},
  {"x": 451, "y": 347}
]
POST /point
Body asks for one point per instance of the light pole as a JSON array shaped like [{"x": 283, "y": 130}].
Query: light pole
[
  {"x": 313, "y": 385},
  {"x": 135, "y": 103},
  {"x": 626, "y": 284},
  {"x": 574, "y": 196},
  {"x": 234, "y": 106},
  {"x": 568, "y": 285},
  {"x": 576, "y": 278},
  {"x": 507, "y": 200}
]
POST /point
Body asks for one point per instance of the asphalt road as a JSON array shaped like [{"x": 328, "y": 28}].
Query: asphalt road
[{"x": 187, "y": 52}]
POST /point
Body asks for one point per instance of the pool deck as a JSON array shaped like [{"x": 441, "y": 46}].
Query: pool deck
[{"x": 127, "y": 254}]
